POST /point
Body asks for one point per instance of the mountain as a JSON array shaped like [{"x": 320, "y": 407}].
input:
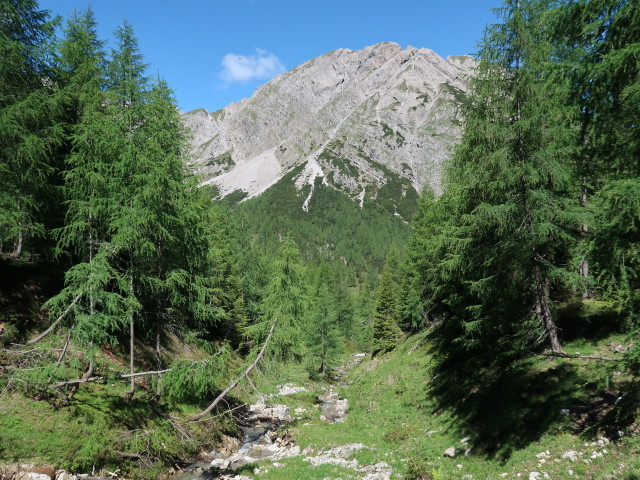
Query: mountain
[{"x": 375, "y": 124}]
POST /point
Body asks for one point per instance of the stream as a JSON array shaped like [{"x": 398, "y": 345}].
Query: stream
[{"x": 259, "y": 424}]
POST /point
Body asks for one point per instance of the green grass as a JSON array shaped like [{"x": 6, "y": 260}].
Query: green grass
[{"x": 391, "y": 413}]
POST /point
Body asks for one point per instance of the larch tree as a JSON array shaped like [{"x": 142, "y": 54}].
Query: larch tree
[
  {"x": 609, "y": 31},
  {"x": 608, "y": 93},
  {"x": 284, "y": 305},
  {"x": 322, "y": 327},
  {"x": 93, "y": 286},
  {"x": 512, "y": 179},
  {"x": 497, "y": 244},
  {"x": 127, "y": 90},
  {"x": 27, "y": 132}
]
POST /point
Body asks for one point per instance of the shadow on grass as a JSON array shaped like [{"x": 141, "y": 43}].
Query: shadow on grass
[
  {"x": 506, "y": 411},
  {"x": 131, "y": 414},
  {"x": 588, "y": 319}
]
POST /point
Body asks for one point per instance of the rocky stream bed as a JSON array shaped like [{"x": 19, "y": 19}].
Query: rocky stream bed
[{"x": 261, "y": 440}]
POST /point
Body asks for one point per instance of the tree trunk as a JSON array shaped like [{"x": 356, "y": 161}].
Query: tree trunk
[
  {"x": 584, "y": 263},
  {"x": 159, "y": 313},
  {"x": 56, "y": 322},
  {"x": 323, "y": 368},
  {"x": 75, "y": 386},
  {"x": 584, "y": 272},
  {"x": 17, "y": 253},
  {"x": 132, "y": 389},
  {"x": 234, "y": 384},
  {"x": 156, "y": 397},
  {"x": 543, "y": 311}
]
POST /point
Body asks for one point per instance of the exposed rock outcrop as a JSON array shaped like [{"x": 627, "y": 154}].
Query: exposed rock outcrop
[{"x": 355, "y": 119}]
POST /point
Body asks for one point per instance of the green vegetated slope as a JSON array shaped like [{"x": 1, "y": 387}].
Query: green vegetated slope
[
  {"x": 554, "y": 431},
  {"x": 334, "y": 228}
]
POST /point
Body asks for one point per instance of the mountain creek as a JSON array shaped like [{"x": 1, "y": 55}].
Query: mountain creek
[{"x": 263, "y": 440}]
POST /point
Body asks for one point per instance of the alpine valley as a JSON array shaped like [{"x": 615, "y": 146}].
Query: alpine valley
[
  {"x": 382, "y": 265},
  {"x": 367, "y": 128}
]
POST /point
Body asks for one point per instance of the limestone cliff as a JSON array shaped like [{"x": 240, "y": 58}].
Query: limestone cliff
[{"x": 356, "y": 119}]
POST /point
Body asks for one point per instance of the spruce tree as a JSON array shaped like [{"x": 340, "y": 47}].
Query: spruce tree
[{"x": 386, "y": 332}]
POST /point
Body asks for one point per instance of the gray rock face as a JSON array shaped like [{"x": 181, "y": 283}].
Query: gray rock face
[{"x": 352, "y": 118}]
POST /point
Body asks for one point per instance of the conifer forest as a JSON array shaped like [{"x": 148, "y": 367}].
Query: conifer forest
[{"x": 141, "y": 314}]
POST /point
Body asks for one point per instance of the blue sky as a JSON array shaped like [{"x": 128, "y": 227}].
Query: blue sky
[{"x": 214, "y": 52}]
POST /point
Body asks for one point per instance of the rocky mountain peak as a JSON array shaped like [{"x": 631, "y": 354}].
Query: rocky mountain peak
[{"x": 358, "y": 119}]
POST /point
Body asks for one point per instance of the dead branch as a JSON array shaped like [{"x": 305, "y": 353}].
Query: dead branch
[
  {"x": 234, "y": 384},
  {"x": 577, "y": 357},
  {"x": 64, "y": 350},
  {"x": 102, "y": 377},
  {"x": 75, "y": 388},
  {"x": 18, "y": 352},
  {"x": 55, "y": 323},
  {"x": 130, "y": 455}
]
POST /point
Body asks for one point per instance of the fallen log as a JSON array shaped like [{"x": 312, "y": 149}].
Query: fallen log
[
  {"x": 577, "y": 357},
  {"x": 55, "y": 323},
  {"x": 235, "y": 383},
  {"x": 105, "y": 377}
]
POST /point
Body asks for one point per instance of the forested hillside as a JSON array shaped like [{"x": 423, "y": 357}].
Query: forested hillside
[{"x": 139, "y": 316}]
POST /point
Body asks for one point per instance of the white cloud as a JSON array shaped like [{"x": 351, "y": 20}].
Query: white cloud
[{"x": 243, "y": 68}]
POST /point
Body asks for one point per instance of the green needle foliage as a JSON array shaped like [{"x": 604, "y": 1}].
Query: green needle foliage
[
  {"x": 545, "y": 178},
  {"x": 322, "y": 329},
  {"x": 541, "y": 207},
  {"x": 386, "y": 332},
  {"x": 28, "y": 134},
  {"x": 285, "y": 304}
]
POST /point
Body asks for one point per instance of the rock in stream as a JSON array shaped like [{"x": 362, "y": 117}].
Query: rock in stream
[{"x": 259, "y": 442}]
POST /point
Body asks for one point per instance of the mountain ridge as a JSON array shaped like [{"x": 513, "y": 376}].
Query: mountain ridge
[{"x": 351, "y": 117}]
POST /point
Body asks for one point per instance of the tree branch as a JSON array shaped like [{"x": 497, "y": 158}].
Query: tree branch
[
  {"x": 234, "y": 384},
  {"x": 55, "y": 323},
  {"x": 569, "y": 356},
  {"x": 99, "y": 378},
  {"x": 64, "y": 350},
  {"x": 130, "y": 455}
]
